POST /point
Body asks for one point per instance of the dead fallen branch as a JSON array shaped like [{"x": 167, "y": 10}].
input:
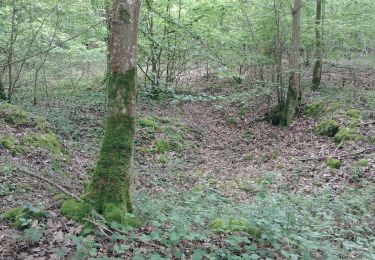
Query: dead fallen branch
[
  {"x": 367, "y": 123},
  {"x": 52, "y": 183},
  {"x": 367, "y": 150}
]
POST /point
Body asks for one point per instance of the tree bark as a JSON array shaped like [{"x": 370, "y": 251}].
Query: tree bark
[
  {"x": 293, "y": 98},
  {"x": 317, "y": 71},
  {"x": 110, "y": 185},
  {"x": 10, "y": 52}
]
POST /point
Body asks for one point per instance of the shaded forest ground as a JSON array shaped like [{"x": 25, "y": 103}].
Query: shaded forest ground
[{"x": 212, "y": 177}]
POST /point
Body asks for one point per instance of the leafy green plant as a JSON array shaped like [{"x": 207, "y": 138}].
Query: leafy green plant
[{"x": 22, "y": 217}]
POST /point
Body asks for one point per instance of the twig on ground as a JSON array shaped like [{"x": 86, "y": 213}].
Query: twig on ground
[
  {"x": 52, "y": 183},
  {"x": 367, "y": 123},
  {"x": 338, "y": 147},
  {"x": 367, "y": 150},
  {"x": 102, "y": 228},
  {"x": 105, "y": 230}
]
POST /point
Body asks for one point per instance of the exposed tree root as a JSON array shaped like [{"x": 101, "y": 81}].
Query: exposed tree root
[{"x": 52, "y": 183}]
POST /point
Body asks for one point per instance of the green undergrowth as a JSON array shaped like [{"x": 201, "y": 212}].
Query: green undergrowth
[
  {"x": 160, "y": 135},
  {"x": 79, "y": 211},
  {"x": 47, "y": 141},
  {"x": 315, "y": 108},
  {"x": 11, "y": 144},
  {"x": 346, "y": 134},
  {"x": 333, "y": 163},
  {"x": 16, "y": 116},
  {"x": 22, "y": 217},
  {"x": 39, "y": 135},
  {"x": 282, "y": 225},
  {"x": 327, "y": 128},
  {"x": 79, "y": 119}
]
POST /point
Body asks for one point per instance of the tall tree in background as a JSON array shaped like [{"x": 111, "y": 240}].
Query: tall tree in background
[
  {"x": 110, "y": 185},
  {"x": 294, "y": 89},
  {"x": 317, "y": 72}
]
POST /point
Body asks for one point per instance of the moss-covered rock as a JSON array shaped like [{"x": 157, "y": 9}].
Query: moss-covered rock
[
  {"x": 333, "y": 163},
  {"x": 47, "y": 141},
  {"x": 327, "y": 128},
  {"x": 75, "y": 210},
  {"x": 235, "y": 224},
  {"x": 9, "y": 143},
  {"x": 20, "y": 217},
  {"x": 353, "y": 113},
  {"x": 315, "y": 109},
  {"x": 162, "y": 146},
  {"x": 347, "y": 134}
]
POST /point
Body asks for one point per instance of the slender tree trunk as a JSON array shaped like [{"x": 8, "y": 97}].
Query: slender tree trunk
[
  {"x": 294, "y": 89},
  {"x": 317, "y": 71},
  {"x": 278, "y": 54},
  {"x": 10, "y": 53},
  {"x": 108, "y": 9},
  {"x": 110, "y": 185},
  {"x": 2, "y": 91}
]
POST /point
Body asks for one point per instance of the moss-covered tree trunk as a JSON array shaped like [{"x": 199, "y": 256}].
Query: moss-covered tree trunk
[
  {"x": 294, "y": 89},
  {"x": 3, "y": 96},
  {"x": 317, "y": 71},
  {"x": 110, "y": 186}
]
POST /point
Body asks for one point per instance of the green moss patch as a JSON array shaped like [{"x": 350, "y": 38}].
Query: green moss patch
[
  {"x": 21, "y": 217},
  {"x": 347, "y": 134},
  {"x": 115, "y": 213},
  {"x": 362, "y": 162},
  {"x": 234, "y": 224},
  {"x": 75, "y": 210},
  {"x": 148, "y": 122},
  {"x": 14, "y": 115},
  {"x": 315, "y": 108},
  {"x": 12, "y": 145},
  {"x": 333, "y": 163},
  {"x": 47, "y": 141},
  {"x": 327, "y": 128},
  {"x": 162, "y": 146},
  {"x": 353, "y": 113}
]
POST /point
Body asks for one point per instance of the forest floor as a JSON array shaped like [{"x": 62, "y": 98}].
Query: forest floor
[{"x": 209, "y": 170}]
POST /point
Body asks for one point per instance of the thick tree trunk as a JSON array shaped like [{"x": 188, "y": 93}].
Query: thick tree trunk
[
  {"x": 110, "y": 185},
  {"x": 294, "y": 89},
  {"x": 317, "y": 71}
]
